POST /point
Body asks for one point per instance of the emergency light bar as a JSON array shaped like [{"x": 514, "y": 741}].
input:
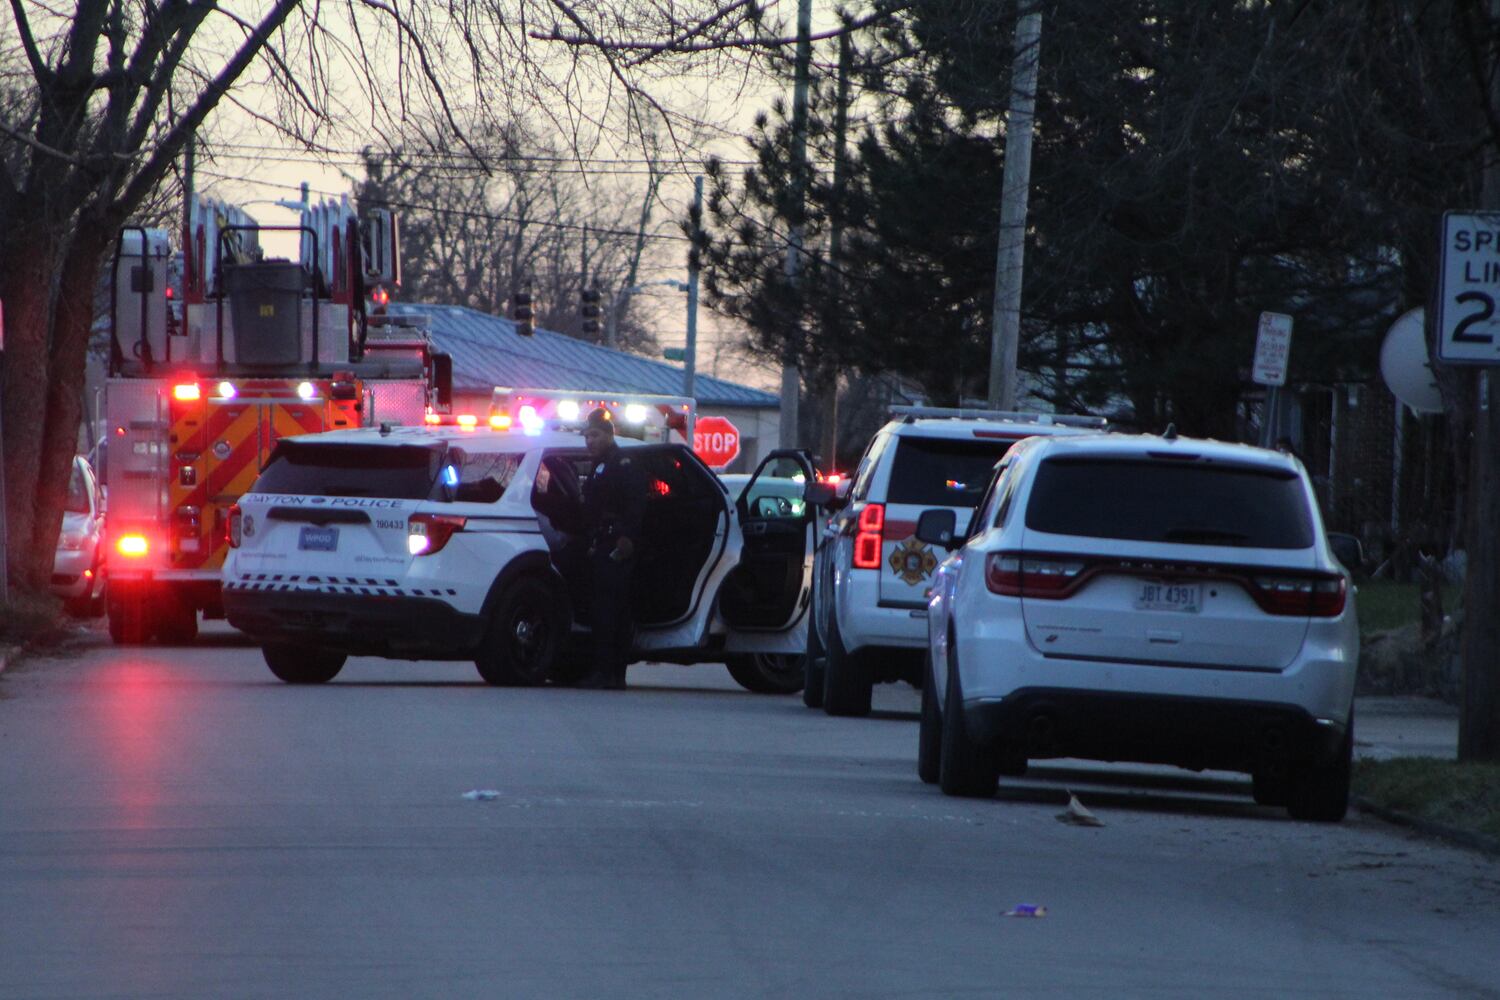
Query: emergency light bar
[
  {"x": 911, "y": 413},
  {"x": 638, "y": 415}
]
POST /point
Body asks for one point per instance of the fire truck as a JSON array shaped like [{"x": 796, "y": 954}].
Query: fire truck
[{"x": 216, "y": 352}]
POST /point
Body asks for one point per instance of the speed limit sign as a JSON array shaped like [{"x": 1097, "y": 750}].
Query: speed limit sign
[{"x": 1468, "y": 326}]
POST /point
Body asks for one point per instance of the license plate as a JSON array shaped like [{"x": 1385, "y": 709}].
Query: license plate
[
  {"x": 319, "y": 539},
  {"x": 1186, "y": 597}
]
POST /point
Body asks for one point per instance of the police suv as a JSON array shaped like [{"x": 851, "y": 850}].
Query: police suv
[
  {"x": 871, "y": 574},
  {"x": 459, "y": 543}
]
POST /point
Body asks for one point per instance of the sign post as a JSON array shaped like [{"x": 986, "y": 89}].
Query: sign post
[
  {"x": 716, "y": 440},
  {"x": 1273, "y": 348}
]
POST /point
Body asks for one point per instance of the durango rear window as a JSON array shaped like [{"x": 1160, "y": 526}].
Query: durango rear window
[
  {"x": 1161, "y": 502},
  {"x": 397, "y": 472},
  {"x": 943, "y": 472}
]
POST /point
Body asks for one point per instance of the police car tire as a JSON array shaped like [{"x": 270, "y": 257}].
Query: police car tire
[
  {"x": 847, "y": 684},
  {"x": 296, "y": 664},
  {"x": 767, "y": 673},
  {"x": 522, "y": 644},
  {"x": 965, "y": 768},
  {"x": 813, "y": 663},
  {"x": 930, "y": 731}
]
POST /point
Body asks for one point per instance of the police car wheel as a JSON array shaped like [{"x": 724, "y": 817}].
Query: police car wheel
[
  {"x": 524, "y": 636},
  {"x": 847, "y": 680},
  {"x": 303, "y": 664},
  {"x": 812, "y": 662},
  {"x": 767, "y": 673}
]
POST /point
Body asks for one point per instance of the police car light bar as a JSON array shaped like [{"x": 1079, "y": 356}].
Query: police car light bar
[{"x": 1015, "y": 417}]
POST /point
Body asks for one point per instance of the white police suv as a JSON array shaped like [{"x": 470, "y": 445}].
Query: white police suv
[
  {"x": 1142, "y": 598},
  {"x": 869, "y": 621},
  {"x": 459, "y": 543}
]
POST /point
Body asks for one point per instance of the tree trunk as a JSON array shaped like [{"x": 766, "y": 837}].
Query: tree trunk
[
  {"x": 71, "y": 324},
  {"x": 27, "y": 269}
]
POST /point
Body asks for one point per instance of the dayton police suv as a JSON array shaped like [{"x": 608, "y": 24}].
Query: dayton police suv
[{"x": 464, "y": 544}]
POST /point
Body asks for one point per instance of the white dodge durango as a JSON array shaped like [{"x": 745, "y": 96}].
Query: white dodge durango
[{"x": 1142, "y": 598}]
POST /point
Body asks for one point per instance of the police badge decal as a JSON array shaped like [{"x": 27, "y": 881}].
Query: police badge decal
[{"x": 912, "y": 561}]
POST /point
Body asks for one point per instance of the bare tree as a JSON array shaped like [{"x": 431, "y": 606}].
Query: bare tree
[{"x": 111, "y": 91}]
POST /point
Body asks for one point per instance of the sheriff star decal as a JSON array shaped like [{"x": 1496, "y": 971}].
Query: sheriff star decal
[{"x": 912, "y": 561}]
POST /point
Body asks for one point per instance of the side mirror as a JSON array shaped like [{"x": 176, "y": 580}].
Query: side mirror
[
  {"x": 820, "y": 494},
  {"x": 938, "y": 527},
  {"x": 1347, "y": 550}
]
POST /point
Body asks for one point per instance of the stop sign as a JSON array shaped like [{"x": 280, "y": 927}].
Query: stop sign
[{"x": 716, "y": 441}]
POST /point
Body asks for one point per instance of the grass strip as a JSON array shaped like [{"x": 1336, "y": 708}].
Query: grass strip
[{"x": 1459, "y": 794}]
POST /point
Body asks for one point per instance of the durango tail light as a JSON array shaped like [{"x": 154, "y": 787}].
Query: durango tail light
[
  {"x": 428, "y": 533},
  {"x": 234, "y": 526},
  {"x": 1310, "y": 596},
  {"x": 870, "y": 537},
  {"x": 1050, "y": 578}
]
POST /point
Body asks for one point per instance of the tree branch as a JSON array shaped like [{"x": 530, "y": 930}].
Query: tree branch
[
  {"x": 39, "y": 69},
  {"x": 166, "y": 151},
  {"x": 589, "y": 40}
]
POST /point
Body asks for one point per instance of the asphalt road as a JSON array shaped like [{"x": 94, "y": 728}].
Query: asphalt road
[{"x": 176, "y": 823}]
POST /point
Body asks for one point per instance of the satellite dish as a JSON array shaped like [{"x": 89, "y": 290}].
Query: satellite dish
[{"x": 1406, "y": 367}]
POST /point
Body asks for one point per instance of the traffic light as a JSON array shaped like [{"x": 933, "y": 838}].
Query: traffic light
[
  {"x": 520, "y": 311},
  {"x": 590, "y": 311}
]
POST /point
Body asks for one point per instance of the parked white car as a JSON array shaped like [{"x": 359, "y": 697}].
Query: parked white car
[
  {"x": 446, "y": 543},
  {"x": 871, "y": 573},
  {"x": 77, "y": 566},
  {"x": 1142, "y": 598}
]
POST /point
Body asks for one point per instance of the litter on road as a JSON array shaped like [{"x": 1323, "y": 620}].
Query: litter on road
[
  {"x": 1078, "y": 814},
  {"x": 1026, "y": 910},
  {"x": 482, "y": 795}
]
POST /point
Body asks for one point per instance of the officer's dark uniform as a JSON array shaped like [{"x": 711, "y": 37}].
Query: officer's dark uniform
[{"x": 614, "y": 498}]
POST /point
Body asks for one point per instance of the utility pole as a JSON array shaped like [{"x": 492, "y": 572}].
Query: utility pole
[
  {"x": 791, "y": 378},
  {"x": 1479, "y": 715},
  {"x": 1010, "y": 257},
  {"x": 829, "y": 445},
  {"x": 690, "y": 355}
]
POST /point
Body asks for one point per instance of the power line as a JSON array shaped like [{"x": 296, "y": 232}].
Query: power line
[{"x": 462, "y": 213}]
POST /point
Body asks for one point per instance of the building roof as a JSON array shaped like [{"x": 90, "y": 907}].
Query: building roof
[{"x": 487, "y": 352}]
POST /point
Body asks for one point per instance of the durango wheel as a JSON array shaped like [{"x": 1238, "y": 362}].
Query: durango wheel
[
  {"x": 930, "y": 732},
  {"x": 966, "y": 768},
  {"x": 525, "y": 635}
]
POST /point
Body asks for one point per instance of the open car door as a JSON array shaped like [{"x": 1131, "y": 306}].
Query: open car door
[{"x": 764, "y": 599}]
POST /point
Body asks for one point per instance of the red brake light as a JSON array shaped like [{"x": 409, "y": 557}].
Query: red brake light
[
  {"x": 428, "y": 533},
  {"x": 233, "y": 526},
  {"x": 870, "y": 539},
  {"x": 1012, "y": 574},
  {"x": 132, "y": 546},
  {"x": 1312, "y": 596}
]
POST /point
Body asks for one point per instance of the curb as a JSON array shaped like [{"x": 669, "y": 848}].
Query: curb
[{"x": 1452, "y": 834}]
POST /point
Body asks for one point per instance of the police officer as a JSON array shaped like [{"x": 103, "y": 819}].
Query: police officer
[{"x": 614, "y": 497}]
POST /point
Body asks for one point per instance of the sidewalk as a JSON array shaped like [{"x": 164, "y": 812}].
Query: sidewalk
[{"x": 1405, "y": 727}]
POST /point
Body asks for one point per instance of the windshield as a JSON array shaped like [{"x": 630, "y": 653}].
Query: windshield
[
  {"x": 1166, "y": 502},
  {"x": 943, "y": 472},
  {"x": 403, "y": 472}
]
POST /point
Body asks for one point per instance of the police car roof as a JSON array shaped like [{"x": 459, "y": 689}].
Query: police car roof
[{"x": 477, "y": 439}]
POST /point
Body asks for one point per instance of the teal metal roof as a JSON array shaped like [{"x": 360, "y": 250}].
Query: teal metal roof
[{"x": 487, "y": 352}]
